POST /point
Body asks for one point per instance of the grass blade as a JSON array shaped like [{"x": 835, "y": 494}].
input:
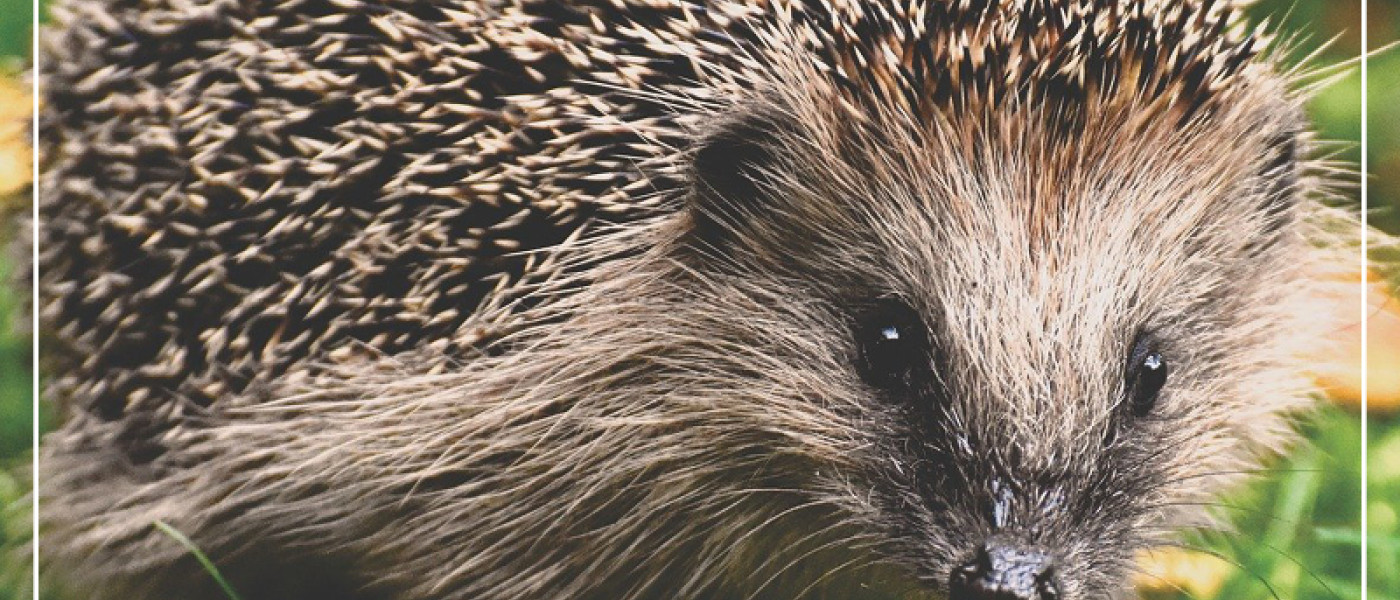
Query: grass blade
[{"x": 198, "y": 555}]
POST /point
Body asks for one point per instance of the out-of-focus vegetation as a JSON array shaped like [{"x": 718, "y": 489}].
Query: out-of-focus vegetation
[
  {"x": 1384, "y": 123},
  {"x": 15, "y": 171},
  {"x": 1383, "y": 126},
  {"x": 16, "y": 384}
]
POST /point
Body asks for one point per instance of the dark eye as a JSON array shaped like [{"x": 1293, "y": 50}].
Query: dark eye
[
  {"x": 1147, "y": 373},
  {"x": 893, "y": 346}
]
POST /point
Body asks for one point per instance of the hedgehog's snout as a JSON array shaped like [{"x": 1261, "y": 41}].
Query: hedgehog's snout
[{"x": 1004, "y": 570}]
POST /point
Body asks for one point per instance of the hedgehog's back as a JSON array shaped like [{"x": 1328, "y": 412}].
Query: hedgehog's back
[{"x": 238, "y": 190}]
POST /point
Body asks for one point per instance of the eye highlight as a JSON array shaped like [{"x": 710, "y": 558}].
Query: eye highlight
[
  {"x": 1147, "y": 374},
  {"x": 893, "y": 346}
]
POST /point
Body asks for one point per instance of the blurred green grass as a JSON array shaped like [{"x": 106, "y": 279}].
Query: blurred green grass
[
  {"x": 16, "y": 404},
  {"x": 1295, "y": 533},
  {"x": 1298, "y": 529},
  {"x": 1383, "y": 121},
  {"x": 15, "y": 27},
  {"x": 1384, "y": 509}
]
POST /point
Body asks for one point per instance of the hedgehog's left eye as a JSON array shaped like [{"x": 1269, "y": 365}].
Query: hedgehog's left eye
[
  {"x": 893, "y": 346},
  {"x": 1147, "y": 373}
]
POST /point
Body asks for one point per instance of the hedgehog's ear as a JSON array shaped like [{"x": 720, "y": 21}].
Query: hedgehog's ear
[{"x": 729, "y": 178}]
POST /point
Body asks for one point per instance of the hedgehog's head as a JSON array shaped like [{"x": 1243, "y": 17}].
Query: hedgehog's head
[{"x": 1027, "y": 349}]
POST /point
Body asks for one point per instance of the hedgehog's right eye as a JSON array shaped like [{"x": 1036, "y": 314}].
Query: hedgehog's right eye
[
  {"x": 1147, "y": 374},
  {"x": 893, "y": 346}
]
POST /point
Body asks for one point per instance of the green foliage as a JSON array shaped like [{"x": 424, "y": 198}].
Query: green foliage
[
  {"x": 15, "y": 533},
  {"x": 1296, "y": 532},
  {"x": 16, "y": 383},
  {"x": 16, "y": 17},
  {"x": 1384, "y": 509},
  {"x": 1383, "y": 122}
]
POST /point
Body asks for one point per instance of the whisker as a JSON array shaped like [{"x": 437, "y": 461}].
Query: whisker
[
  {"x": 1295, "y": 561},
  {"x": 1231, "y": 561},
  {"x": 1259, "y": 471},
  {"x": 1137, "y": 569},
  {"x": 794, "y": 562},
  {"x": 825, "y": 576},
  {"x": 1256, "y": 511}
]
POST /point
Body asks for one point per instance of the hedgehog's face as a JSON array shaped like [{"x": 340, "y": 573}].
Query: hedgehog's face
[{"x": 1057, "y": 351}]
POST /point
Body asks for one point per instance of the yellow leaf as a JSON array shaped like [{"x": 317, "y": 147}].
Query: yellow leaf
[
  {"x": 1339, "y": 371},
  {"x": 16, "y": 166},
  {"x": 1168, "y": 570}
]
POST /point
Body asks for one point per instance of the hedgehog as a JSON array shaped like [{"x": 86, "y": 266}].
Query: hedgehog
[{"x": 631, "y": 299}]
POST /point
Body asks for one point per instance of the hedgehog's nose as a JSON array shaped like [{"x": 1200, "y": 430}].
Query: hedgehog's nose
[{"x": 1004, "y": 572}]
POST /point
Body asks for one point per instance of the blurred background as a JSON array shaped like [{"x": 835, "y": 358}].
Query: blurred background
[
  {"x": 1296, "y": 532},
  {"x": 1383, "y": 126},
  {"x": 16, "y": 18}
]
